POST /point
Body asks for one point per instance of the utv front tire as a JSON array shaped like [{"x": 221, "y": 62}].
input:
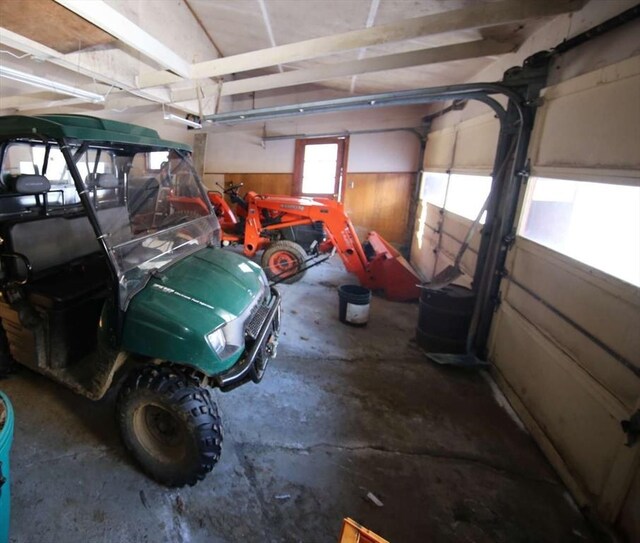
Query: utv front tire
[
  {"x": 282, "y": 262},
  {"x": 170, "y": 425}
]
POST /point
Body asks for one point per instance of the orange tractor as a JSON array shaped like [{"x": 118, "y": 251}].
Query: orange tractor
[{"x": 295, "y": 232}]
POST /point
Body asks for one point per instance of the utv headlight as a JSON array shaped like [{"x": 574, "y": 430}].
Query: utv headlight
[{"x": 217, "y": 341}]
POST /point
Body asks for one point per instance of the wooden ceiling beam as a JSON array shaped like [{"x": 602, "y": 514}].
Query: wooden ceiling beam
[
  {"x": 474, "y": 16},
  {"x": 421, "y": 57},
  {"x": 434, "y": 55}
]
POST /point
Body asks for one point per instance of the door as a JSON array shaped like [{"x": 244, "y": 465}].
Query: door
[{"x": 319, "y": 167}]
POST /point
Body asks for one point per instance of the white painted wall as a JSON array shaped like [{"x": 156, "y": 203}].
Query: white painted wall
[{"x": 239, "y": 148}]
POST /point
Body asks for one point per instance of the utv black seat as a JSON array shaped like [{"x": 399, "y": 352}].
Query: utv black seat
[
  {"x": 29, "y": 184},
  {"x": 65, "y": 256}
]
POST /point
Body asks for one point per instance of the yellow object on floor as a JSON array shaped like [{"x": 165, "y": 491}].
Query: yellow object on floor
[{"x": 352, "y": 532}]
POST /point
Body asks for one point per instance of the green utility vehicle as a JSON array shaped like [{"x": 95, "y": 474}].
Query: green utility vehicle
[{"x": 105, "y": 278}]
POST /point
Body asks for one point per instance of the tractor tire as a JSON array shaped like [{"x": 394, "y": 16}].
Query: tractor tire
[
  {"x": 170, "y": 425},
  {"x": 282, "y": 260}
]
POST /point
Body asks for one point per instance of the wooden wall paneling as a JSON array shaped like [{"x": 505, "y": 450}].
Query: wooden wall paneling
[
  {"x": 380, "y": 202},
  {"x": 262, "y": 183}
]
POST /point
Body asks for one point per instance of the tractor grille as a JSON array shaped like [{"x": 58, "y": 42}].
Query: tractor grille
[{"x": 255, "y": 322}]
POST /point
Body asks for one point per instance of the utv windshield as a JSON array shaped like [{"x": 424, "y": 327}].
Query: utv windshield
[{"x": 151, "y": 209}]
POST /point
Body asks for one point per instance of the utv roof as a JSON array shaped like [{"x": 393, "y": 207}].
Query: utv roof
[{"x": 83, "y": 128}]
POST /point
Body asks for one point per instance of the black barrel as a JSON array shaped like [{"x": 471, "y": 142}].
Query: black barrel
[
  {"x": 444, "y": 319},
  {"x": 354, "y": 304}
]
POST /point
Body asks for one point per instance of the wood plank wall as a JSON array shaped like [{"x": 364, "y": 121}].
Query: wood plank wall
[
  {"x": 262, "y": 183},
  {"x": 380, "y": 202},
  {"x": 373, "y": 201}
]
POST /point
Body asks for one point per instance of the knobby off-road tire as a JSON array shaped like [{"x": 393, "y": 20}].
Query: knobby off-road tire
[
  {"x": 282, "y": 260},
  {"x": 170, "y": 425}
]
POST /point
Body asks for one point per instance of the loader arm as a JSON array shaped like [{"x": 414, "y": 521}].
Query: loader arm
[{"x": 380, "y": 268}]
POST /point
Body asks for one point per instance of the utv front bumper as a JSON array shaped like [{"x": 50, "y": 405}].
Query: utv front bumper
[{"x": 251, "y": 366}]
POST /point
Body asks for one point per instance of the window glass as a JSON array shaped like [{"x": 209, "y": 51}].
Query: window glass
[
  {"x": 57, "y": 172},
  {"x": 319, "y": 171},
  {"x": 434, "y": 187},
  {"x": 595, "y": 223},
  {"x": 156, "y": 159},
  {"x": 94, "y": 162},
  {"x": 26, "y": 158},
  {"x": 466, "y": 194}
]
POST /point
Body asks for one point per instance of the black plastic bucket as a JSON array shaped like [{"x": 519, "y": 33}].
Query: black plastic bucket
[
  {"x": 354, "y": 304},
  {"x": 444, "y": 318}
]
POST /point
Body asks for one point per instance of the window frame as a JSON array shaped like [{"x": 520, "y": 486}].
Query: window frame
[{"x": 341, "y": 166}]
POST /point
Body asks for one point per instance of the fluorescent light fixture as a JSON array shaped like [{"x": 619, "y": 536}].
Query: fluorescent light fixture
[
  {"x": 47, "y": 84},
  {"x": 178, "y": 119}
]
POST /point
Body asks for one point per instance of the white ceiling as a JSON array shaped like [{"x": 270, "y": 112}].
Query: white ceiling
[{"x": 202, "y": 30}]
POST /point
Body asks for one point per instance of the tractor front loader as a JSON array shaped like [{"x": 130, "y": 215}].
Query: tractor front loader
[{"x": 294, "y": 231}]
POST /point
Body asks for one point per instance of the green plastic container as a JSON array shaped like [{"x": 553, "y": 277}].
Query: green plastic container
[{"x": 6, "y": 437}]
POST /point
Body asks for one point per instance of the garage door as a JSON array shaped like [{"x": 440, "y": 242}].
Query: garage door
[
  {"x": 565, "y": 340},
  {"x": 457, "y": 178}
]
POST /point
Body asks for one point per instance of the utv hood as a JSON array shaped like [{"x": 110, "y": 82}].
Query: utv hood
[{"x": 171, "y": 317}]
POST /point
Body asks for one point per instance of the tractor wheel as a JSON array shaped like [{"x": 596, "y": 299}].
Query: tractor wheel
[
  {"x": 282, "y": 260},
  {"x": 170, "y": 425}
]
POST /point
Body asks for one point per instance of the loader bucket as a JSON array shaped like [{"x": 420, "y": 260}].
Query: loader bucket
[{"x": 390, "y": 272}]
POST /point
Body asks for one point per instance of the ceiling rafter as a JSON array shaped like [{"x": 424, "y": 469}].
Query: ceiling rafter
[
  {"x": 475, "y": 16},
  {"x": 269, "y": 28},
  {"x": 421, "y": 57},
  {"x": 371, "y": 17},
  {"x": 100, "y": 14}
]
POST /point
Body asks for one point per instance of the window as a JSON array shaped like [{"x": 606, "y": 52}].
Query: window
[
  {"x": 461, "y": 194},
  {"x": 27, "y": 158},
  {"x": 434, "y": 187},
  {"x": 595, "y": 223},
  {"x": 95, "y": 161},
  {"x": 319, "y": 167},
  {"x": 155, "y": 160},
  {"x": 467, "y": 194}
]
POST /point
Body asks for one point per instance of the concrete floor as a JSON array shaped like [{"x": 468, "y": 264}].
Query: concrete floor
[{"x": 342, "y": 412}]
